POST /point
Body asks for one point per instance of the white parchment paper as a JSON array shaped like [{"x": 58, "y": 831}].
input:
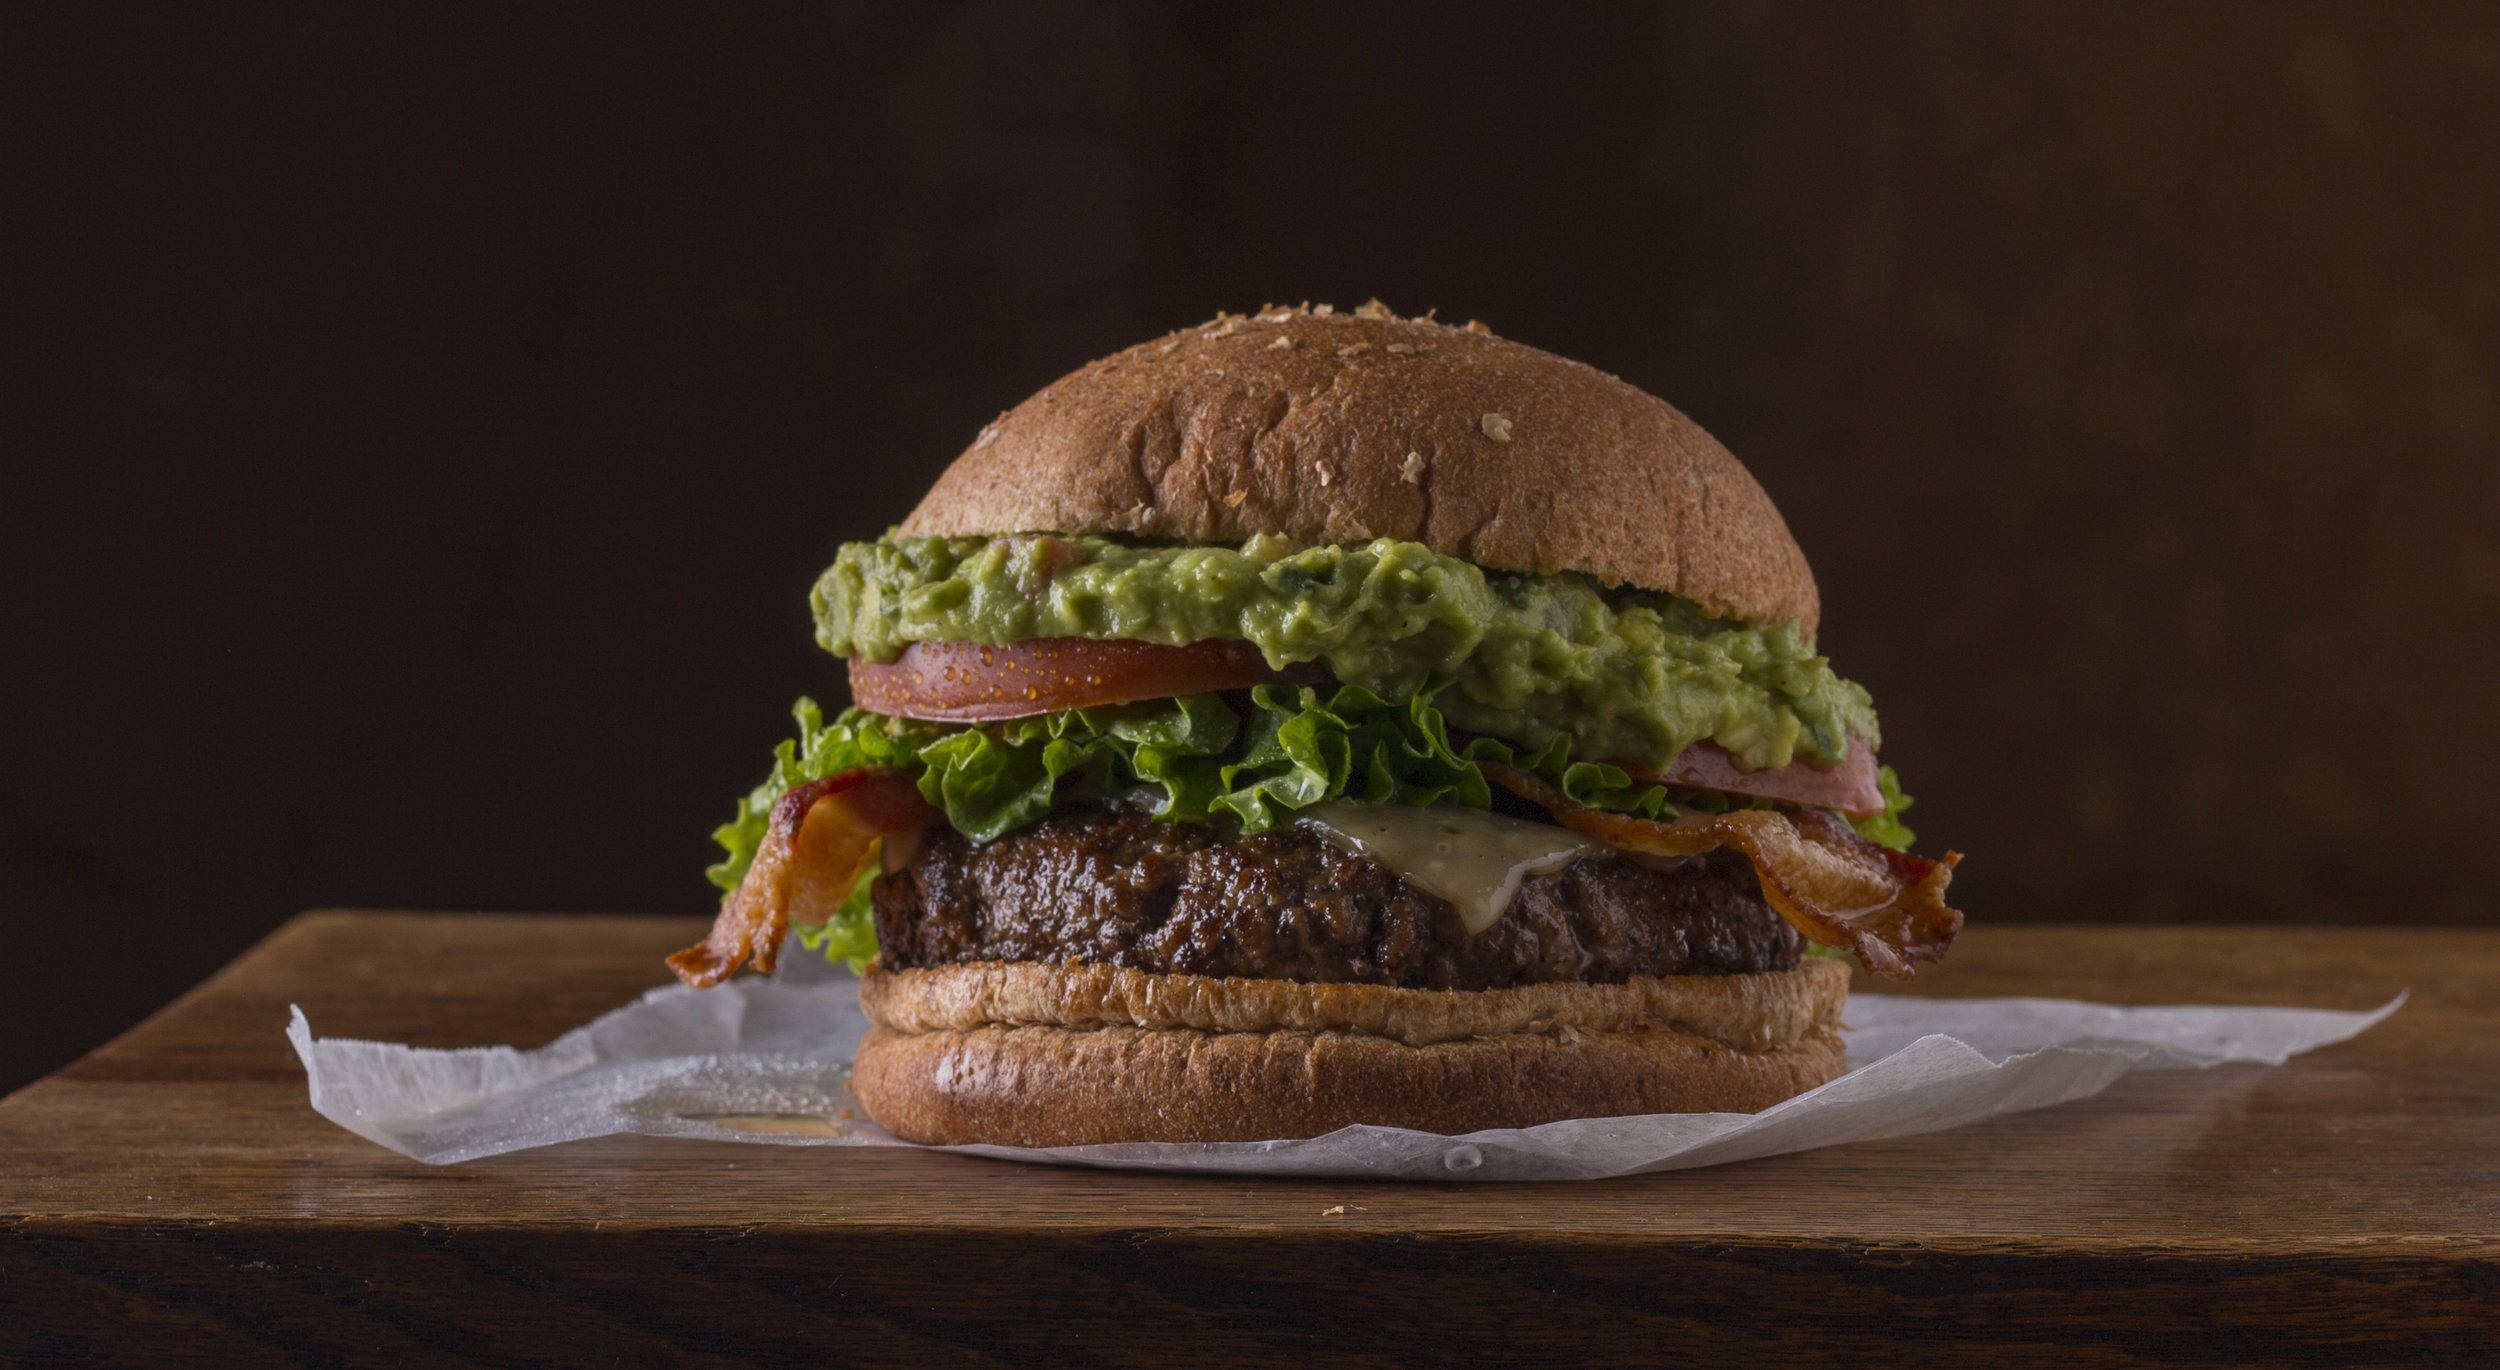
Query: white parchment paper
[{"x": 768, "y": 1060}]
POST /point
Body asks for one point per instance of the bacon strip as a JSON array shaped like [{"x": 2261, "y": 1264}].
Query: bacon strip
[
  {"x": 819, "y": 838},
  {"x": 1837, "y": 888}
]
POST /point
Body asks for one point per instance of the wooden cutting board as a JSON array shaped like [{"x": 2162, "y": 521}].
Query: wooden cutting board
[{"x": 171, "y": 1198}]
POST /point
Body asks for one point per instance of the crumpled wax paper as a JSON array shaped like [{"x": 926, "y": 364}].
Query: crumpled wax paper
[{"x": 767, "y": 1059}]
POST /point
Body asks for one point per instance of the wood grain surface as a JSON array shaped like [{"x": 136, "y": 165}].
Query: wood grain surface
[{"x": 171, "y": 1198}]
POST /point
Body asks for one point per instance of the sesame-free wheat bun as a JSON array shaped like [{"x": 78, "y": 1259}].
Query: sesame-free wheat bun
[{"x": 1329, "y": 427}]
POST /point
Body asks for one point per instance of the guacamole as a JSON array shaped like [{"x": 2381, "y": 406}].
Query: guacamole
[{"x": 1627, "y": 674}]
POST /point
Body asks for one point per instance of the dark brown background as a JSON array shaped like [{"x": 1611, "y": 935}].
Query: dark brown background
[{"x": 421, "y": 426}]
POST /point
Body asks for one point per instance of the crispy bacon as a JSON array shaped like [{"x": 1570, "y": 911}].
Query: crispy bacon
[
  {"x": 1837, "y": 888},
  {"x": 820, "y": 836}
]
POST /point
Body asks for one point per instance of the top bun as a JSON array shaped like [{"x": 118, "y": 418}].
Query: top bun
[{"x": 1339, "y": 428}]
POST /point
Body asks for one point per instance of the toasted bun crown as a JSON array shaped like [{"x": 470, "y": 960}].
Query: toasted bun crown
[{"x": 1339, "y": 428}]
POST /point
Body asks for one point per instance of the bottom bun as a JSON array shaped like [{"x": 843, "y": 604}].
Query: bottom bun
[{"x": 1040, "y": 1083}]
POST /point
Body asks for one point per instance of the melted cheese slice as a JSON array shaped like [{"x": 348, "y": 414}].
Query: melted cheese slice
[{"x": 1474, "y": 860}]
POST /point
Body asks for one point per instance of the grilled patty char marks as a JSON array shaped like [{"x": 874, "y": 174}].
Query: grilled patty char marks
[{"x": 1123, "y": 889}]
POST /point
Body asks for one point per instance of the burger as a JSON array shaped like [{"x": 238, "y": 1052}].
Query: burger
[{"x": 1314, "y": 718}]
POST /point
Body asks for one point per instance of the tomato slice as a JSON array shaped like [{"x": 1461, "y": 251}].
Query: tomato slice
[
  {"x": 1849, "y": 787},
  {"x": 967, "y": 682}
]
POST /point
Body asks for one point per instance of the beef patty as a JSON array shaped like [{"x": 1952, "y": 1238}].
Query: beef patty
[{"x": 1124, "y": 889}]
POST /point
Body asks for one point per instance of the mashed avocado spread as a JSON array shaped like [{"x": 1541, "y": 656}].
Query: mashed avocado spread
[{"x": 1625, "y": 674}]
